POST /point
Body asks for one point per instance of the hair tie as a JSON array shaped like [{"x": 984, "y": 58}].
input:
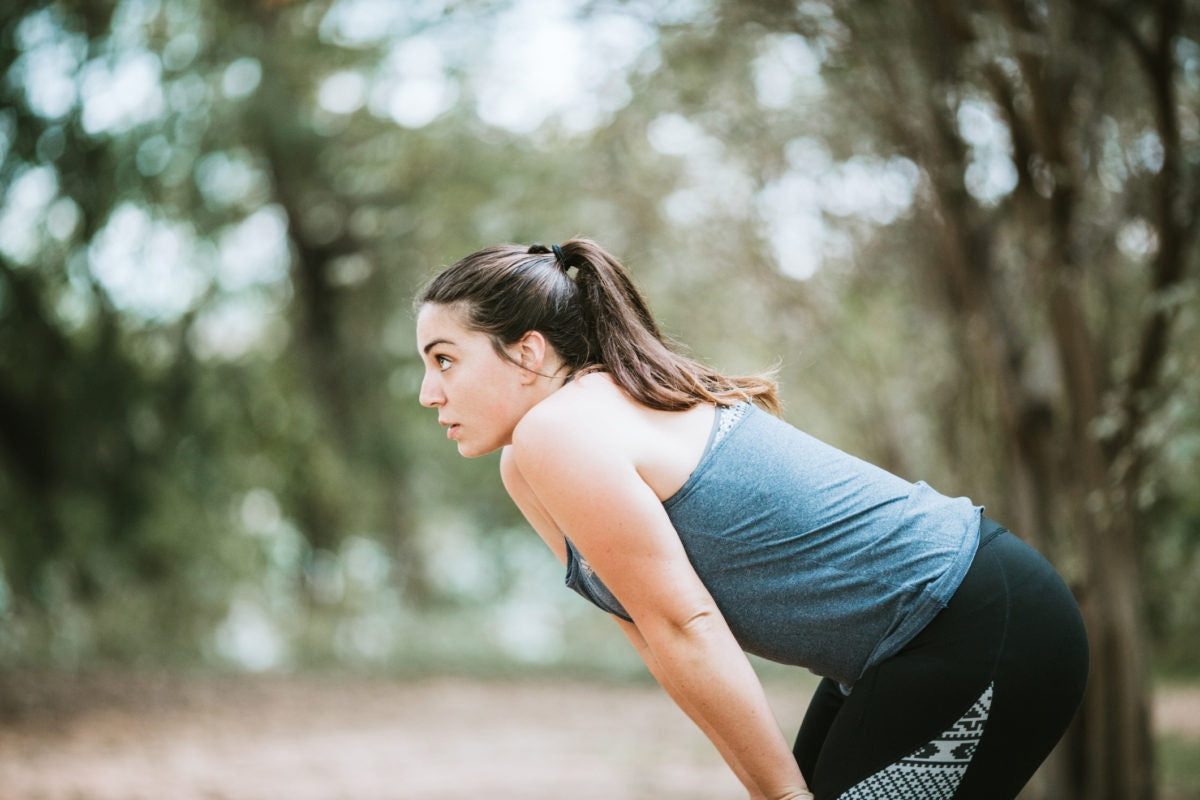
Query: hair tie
[{"x": 558, "y": 255}]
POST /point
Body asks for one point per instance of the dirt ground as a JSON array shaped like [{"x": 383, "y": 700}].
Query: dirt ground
[{"x": 117, "y": 738}]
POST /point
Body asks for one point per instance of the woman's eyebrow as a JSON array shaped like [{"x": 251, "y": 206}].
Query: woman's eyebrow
[{"x": 434, "y": 344}]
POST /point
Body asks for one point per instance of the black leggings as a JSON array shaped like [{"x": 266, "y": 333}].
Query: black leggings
[{"x": 972, "y": 705}]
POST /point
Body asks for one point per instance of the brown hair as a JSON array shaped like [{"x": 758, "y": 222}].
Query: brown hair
[{"x": 595, "y": 320}]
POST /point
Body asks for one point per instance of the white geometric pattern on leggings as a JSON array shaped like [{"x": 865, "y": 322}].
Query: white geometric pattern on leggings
[{"x": 935, "y": 769}]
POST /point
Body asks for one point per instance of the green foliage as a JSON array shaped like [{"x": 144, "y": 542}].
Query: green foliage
[
  {"x": 1173, "y": 509},
  {"x": 216, "y": 215},
  {"x": 1179, "y": 764},
  {"x": 207, "y": 374}
]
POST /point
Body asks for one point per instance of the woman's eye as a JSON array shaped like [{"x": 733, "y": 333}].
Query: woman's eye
[{"x": 443, "y": 363}]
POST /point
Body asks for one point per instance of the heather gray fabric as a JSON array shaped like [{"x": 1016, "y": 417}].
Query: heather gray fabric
[{"x": 815, "y": 557}]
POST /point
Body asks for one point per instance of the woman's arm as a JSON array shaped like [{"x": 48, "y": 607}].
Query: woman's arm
[
  {"x": 531, "y": 509},
  {"x": 523, "y": 496},
  {"x": 643, "y": 650},
  {"x": 582, "y": 481}
]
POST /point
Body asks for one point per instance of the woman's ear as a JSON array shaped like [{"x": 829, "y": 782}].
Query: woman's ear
[{"x": 531, "y": 355}]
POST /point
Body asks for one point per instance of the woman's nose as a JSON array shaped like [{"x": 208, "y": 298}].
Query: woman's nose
[{"x": 431, "y": 394}]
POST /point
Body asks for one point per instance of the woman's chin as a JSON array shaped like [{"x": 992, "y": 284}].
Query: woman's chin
[{"x": 467, "y": 450}]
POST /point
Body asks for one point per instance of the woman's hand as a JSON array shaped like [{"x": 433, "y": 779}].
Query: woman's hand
[{"x": 797, "y": 794}]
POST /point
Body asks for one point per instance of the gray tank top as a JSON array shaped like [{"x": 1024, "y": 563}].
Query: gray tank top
[{"x": 815, "y": 557}]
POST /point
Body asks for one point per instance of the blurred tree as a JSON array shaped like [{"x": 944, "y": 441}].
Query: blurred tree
[
  {"x": 186, "y": 192},
  {"x": 1054, "y": 236},
  {"x": 216, "y": 215}
]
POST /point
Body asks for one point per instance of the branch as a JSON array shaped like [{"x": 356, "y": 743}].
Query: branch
[
  {"x": 1167, "y": 270},
  {"x": 1124, "y": 27}
]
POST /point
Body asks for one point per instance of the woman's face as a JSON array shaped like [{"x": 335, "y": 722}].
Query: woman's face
[{"x": 480, "y": 397}]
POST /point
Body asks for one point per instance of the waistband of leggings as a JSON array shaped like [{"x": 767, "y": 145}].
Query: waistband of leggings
[{"x": 989, "y": 529}]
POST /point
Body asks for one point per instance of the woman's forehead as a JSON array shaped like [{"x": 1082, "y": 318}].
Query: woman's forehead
[
  {"x": 439, "y": 315},
  {"x": 437, "y": 322}
]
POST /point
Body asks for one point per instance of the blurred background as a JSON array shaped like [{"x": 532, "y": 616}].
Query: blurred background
[{"x": 965, "y": 233}]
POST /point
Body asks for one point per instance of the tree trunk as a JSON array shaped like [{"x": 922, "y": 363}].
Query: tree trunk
[
  {"x": 1114, "y": 721},
  {"x": 1071, "y": 94}
]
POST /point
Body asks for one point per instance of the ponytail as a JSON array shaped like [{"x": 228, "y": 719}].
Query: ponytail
[
  {"x": 633, "y": 350},
  {"x": 596, "y": 320}
]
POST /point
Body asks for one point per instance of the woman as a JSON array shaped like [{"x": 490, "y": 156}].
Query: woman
[{"x": 953, "y": 655}]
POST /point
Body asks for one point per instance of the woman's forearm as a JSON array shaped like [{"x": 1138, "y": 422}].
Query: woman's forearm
[
  {"x": 664, "y": 681},
  {"x": 713, "y": 736},
  {"x": 708, "y": 675}
]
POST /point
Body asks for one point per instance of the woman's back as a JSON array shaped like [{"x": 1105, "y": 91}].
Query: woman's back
[{"x": 815, "y": 557}]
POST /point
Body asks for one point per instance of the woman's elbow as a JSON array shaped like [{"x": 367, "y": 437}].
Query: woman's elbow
[{"x": 693, "y": 622}]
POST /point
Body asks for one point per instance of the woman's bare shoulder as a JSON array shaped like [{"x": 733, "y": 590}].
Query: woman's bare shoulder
[{"x": 584, "y": 417}]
